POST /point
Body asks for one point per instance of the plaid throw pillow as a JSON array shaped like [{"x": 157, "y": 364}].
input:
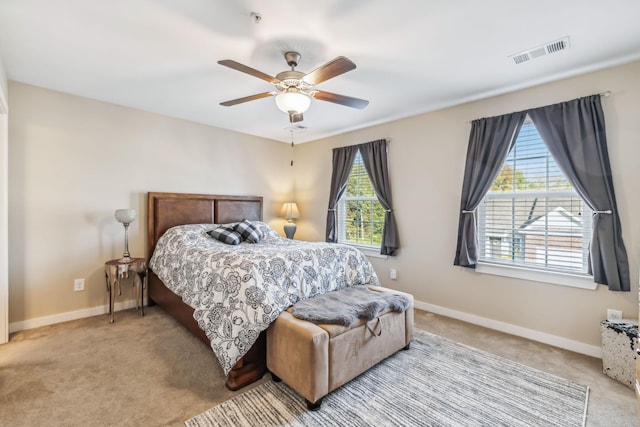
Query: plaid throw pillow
[
  {"x": 226, "y": 235},
  {"x": 249, "y": 232}
]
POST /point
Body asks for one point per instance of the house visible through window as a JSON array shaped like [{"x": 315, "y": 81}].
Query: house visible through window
[
  {"x": 532, "y": 216},
  {"x": 360, "y": 214}
]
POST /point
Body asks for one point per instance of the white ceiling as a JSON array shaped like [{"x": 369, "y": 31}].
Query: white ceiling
[{"x": 412, "y": 56}]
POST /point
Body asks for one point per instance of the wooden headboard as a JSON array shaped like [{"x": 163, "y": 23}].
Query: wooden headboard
[{"x": 166, "y": 210}]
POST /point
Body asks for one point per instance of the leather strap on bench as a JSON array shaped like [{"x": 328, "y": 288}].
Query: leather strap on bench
[{"x": 378, "y": 326}]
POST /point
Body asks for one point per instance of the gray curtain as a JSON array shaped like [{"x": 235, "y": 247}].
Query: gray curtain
[
  {"x": 374, "y": 158},
  {"x": 342, "y": 162},
  {"x": 489, "y": 144},
  {"x": 574, "y": 133}
]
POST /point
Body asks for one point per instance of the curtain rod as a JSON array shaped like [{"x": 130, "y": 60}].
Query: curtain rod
[{"x": 605, "y": 94}]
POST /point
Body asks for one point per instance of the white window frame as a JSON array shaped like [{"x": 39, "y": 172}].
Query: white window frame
[
  {"x": 368, "y": 250},
  {"x": 552, "y": 277},
  {"x": 578, "y": 280}
]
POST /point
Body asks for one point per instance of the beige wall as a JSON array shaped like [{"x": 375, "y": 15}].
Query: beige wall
[
  {"x": 4, "y": 208},
  {"x": 427, "y": 155},
  {"x": 73, "y": 161}
]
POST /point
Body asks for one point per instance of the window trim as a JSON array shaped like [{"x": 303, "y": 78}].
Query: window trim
[
  {"x": 521, "y": 270},
  {"x": 587, "y": 218},
  {"x": 368, "y": 250},
  {"x": 341, "y": 206},
  {"x": 582, "y": 281}
]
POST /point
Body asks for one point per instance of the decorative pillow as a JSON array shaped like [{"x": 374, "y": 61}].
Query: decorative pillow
[
  {"x": 266, "y": 230},
  {"x": 226, "y": 235},
  {"x": 249, "y": 232}
]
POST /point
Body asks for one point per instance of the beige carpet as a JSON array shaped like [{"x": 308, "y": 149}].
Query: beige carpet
[{"x": 148, "y": 371}]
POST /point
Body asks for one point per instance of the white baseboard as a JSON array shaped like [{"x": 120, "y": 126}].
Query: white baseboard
[
  {"x": 70, "y": 315},
  {"x": 554, "y": 340}
]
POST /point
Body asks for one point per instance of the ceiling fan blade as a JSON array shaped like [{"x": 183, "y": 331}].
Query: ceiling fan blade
[
  {"x": 246, "y": 99},
  {"x": 331, "y": 69},
  {"x": 294, "y": 118},
  {"x": 340, "y": 99},
  {"x": 245, "y": 69}
]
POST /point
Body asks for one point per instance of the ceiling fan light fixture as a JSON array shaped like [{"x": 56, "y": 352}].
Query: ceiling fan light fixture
[
  {"x": 294, "y": 89},
  {"x": 293, "y": 102}
]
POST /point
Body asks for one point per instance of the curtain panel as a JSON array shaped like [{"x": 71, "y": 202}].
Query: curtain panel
[
  {"x": 342, "y": 162},
  {"x": 575, "y": 134},
  {"x": 374, "y": 157},
  {"x": 489, "y": 144}
]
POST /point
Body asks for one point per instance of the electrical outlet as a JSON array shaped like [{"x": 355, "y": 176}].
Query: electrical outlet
[
  {"x": 393, "y": 274},
  {"x": 614, "y": 314},
  {"x": 78, "y": 285}
]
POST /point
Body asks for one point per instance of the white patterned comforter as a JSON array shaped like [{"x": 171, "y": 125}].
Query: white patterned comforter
[{"x": 237, "y": 291}]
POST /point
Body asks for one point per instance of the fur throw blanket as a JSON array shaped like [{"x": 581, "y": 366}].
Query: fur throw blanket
[{"x": 345, "y": 306}]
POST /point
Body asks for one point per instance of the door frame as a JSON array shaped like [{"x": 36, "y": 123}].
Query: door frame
[{"x": 4, "y": 218}]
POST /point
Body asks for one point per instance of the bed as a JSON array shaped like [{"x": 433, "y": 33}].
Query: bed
[
  {"x": 236, "y": 290},
  {"x": 166, "y": 210}
]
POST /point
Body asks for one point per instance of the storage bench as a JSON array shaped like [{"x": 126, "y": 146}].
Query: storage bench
[{"x": 315, "y": 359}]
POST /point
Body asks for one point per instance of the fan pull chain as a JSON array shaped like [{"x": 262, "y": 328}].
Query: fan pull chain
[
  {"x": 292, "y": 148},
  {"x": 293, "y": 175}
]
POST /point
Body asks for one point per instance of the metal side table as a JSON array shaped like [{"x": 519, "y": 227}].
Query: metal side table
[{"x": 116, "y": 270}]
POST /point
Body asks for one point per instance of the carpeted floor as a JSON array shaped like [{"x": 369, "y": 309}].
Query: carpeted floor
[
  {"x": 148, "y": 371},
  {"x": 437, "y": 382}
]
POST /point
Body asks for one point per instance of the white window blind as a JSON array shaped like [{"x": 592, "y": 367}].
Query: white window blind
[
  {"x": 360, "y": 214},
  {"x": 532, "y": 216}
]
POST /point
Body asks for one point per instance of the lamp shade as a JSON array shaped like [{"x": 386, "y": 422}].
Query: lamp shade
[
  {"x": 125, "y": 216},
  {"x": 290, "y": 210},
  {"x": 295, "y": 102}
]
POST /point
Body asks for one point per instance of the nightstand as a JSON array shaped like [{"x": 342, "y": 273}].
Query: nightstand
[{"x": 116, "y": 270}]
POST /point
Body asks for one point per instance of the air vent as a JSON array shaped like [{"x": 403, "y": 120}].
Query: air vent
[
  {"x": 537, "y": 52},
  {"x": 523, "y": 57},
  {"x": 558, "y": 45},
  {"x": 296, "y": 129}
]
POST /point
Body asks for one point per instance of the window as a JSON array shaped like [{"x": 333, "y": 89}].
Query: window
[
  {"x": 532, "y": 216},
  {"x": 360, "y": 214}
]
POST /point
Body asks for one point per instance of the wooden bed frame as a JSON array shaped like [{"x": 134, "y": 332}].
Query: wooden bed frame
[{"x": 166, "y": 210}]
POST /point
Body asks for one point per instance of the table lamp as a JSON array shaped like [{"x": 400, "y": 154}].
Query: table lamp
[
  {"x": 290, "y": 211},
  {"x": 126, "y": 217}
]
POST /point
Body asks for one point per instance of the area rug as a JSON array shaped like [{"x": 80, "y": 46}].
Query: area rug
[{"x": 437, "y": 382}]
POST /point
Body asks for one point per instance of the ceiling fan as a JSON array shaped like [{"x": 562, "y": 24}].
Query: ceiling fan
[{"x": 294, "y": 89}]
